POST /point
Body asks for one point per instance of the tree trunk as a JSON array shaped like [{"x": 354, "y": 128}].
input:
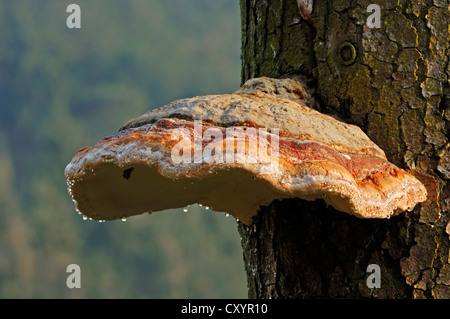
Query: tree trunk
[{"x": 397, "y": 90}]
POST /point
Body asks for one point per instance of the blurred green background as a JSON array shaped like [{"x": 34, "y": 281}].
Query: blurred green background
[{"x": 62, "y": 89}]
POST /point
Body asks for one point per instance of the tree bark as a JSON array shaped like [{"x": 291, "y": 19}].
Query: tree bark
[{"x": 397, "y": 90}]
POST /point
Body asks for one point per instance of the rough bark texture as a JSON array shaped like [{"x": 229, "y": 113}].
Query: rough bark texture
[{"x": 397, "y": 90}]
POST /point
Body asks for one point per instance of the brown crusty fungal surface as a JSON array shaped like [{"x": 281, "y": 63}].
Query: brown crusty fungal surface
[{"x": 279, "y": 148}]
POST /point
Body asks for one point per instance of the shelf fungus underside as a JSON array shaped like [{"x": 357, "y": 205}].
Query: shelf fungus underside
[{"x": 235, "y": 153}]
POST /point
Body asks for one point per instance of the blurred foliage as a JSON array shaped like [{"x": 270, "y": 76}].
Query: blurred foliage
[{"x": 62, "y": 89}]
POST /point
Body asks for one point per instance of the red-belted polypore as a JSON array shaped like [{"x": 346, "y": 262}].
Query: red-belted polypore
[{"x": 235, "y": 153}]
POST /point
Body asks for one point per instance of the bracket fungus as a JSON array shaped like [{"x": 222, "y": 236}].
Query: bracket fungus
[{"x": 234, "y": 153}]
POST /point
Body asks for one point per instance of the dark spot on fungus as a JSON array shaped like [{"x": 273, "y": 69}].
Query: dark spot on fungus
[
  {"x": 298, "y": 93},
  {"x": 127, "y": 173}
]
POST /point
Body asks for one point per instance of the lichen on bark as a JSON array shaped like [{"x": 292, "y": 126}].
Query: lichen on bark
[
  {"x": 402, "y": 71},
  {"x": 276, "y": 40}
]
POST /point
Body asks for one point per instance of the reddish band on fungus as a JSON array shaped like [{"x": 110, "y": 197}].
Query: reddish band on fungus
[{"x": 234, "y": 153}]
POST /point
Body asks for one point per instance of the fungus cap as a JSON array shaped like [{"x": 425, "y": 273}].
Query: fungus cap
[{"x": 235, "y": 153}]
